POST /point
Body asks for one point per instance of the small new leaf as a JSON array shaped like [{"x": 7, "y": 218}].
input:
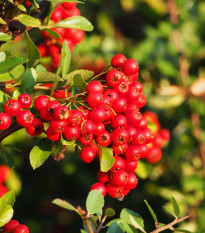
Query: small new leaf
[
  {"x": 52, "y": 33},
  {"x": 175, "y": 207},
  {"x": 151, "y": 211},
  {"x": 94, "y": 202},
  {"x": 109, "y": 212},
  {"x": 63, "y": 204},
  {"x": 170, "y": 211}
]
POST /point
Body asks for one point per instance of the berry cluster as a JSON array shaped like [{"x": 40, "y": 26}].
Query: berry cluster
[
  {"x": 52, "y": 46},
  {"x": 4, "y": 175},
  {"x": 102, "y": 116},
  {"x": 160, "y": 139},
  {"x": 13, "y": 226}
]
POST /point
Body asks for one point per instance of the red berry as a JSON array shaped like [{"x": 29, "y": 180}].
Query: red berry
[
  {"x": 131, "y": 181},
  {"x": 11, "y": 225},
  {"x": 100, "y": 187},
  {"x": 4, "y": 173},
  {"x": 118, "y": 61},
  {"x": 119, "y": 149},
  {"x": 123, "y": 88},
  {"x": 158, "y": 141},
  {"x": 114, "y": 191},
  {"x": 21, "y": 229},
  {"x": 133, "y": 153},
  {"x": 58, "y": 126},
  {"x": 141, "y": 100},
  {"x": 86, "y": 139},
  {"x": 25, "y": 118},
  {"x": 25, "y": 100},
  {"x": 119, "y": 120},
  {"x": 75, "y": 118},
  {"x": 57, "y": 14},
  {"x": 44, "y": 115},
  {"x": 133, "y": 117},
  {"x": 114, "y": 77},
  {"x": 132, "y": 132},
  {"x": 51, "y": 106},
  {"x": 154, "y": 155},
  {"x": 87, "y": 154},
  {"x": 98, "y": 114},
  {"x": 120, "y": 105},
  {"x": 40, "y": 102},
  {"x": 3, "y": 190},
  {"x": 104, "y": 139},
  {"x": 103, "y": 177},
  {"x": 99, "y": 128},
  {"x": 164, "y": 133},
  {"x": 61, "y": 113},
  {"x": 118, "y": 164},
  {"x": 95, "y": 86},
  {"x": 51, "y": 135},
  {"x": 36, "y": 128},
  {"x": 69, "y": 5},
  {"x": 130, "y": 67},
  {"x": 88, "y": 126},
  {"x": 94, "y": 99},
  {"x": 112, "y": 94},
  {"x": 119, "y": 178},
  {"x": 120, "y": 136},
  {"x": 130, "y": 166},
  {"x": 12, "y": 107},
  {"x": 54, "y": 49},
  {"x": 5, "y": 121},
  {"x": 43, "y": 49},
  {"x": 71, "y": 133}
]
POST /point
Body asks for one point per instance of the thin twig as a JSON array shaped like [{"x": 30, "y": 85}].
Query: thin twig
[
  {"x": 170, "y": 225},
  {"x": 100, "y": 224}
]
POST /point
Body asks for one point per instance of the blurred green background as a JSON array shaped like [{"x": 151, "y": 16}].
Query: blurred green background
[{"x": 167, "y": 38}]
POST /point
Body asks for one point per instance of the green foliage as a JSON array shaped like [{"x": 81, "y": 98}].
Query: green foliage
[
  {"x": 151, "y": 211},
  {"x": 63, "y": 204},
  {"x": 28, "y": 81},
  {"x": 94, "y": 202},
  {"x": 106, "y": 158}
]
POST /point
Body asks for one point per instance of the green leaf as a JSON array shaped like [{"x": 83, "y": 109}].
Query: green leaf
[
  {"x": 29, "y": 20},
  {"x": 66, "y": 58},
  {"x": 6, "y": 213},
  {"x": 106, "y": 158},
  {"x": 11, "y": 63},
  {"x": 85, "y": 74},
  {"x": 127, "y": 228},
  {"x": 21, "y": 7},
  {"x": 182, "y": 230},
  {"x": 79, "y": 82},
  {"x": 109, "y": 212},
  {"x": 55, "y": 84},
  {"x": 5, "y": 37},
  {"x": 40, "y": 68},
  {"x": 116, "y": 227},
  {"x": 28, "y": 81},
  {"x": 76, "y": 22},
  {"x": 170, "y": 211},
  {"x": 13, "y": 74},
  {"x": 50, "y": 10},
  {"x": 52, "y": 33},
  {"x": 36, "y": 4},
  {"x": 46, "y": 76},
  {"x": 2, "y": 22},
  {"x": 33, "y": 53},
  {"x": 7, "y": 157},
  {"x": 151, "y": 211},
  {"x": 83, "y": 231},
  {"x": 132, "y": 218},
  {"x": 2, "y": 56},
  {"x": 70, "y": 145},
  {"x": 175, "y": 207},
  {"x": 63, "y": 204},
  {"x": 8, "y": 198},
  {"x": 40, "y": 152},
  {"x": 94, "y": 202}
]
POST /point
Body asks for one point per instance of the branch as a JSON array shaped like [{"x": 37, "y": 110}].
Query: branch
[
  {"x": 100, "y": 224},
  {"x": 9, "y": 131},
  {"x": 170, "y": 225},
  {"x": 85, "y": 218}
]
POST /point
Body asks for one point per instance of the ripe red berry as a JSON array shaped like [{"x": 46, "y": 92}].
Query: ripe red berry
[
  {"x": 119, "y": 120},
  {"x": 88, "y": 126},
  {"x": 130, "y": 67},
  {"x": 130, "y": 166},
  {"x": 44, "y": 115},
  {"x": 123, "y": 88},
  {"x": 40, "y": 102},
  {"x": 133, "y": 117},
  {"x": 36, "y": 128},
  {"x": 100, "y": 187},
  {"x": 103, "y": 177},
  {"x": 57, "y": 14},
  {"x": 25, "y": 100},
  {"x": 94, "y": 99},
  {"x": 119, "y": 149},
  {"x": 114, "y": 77},
  {"x": 3, "y": 190},
  {"x": 120, "y": 136},
  {"x": 75, "y": 118},
  {"x": 12, "y": 107},
  {"x": 25, "y": 118},
  {"x": 114, "y": 191},
  {"x": 164, "y": 133},
  {"x": 120, "y": 105},
  {"x": 133, "y": 153},
  {"x": 158, "y": 141},
  {"x": 58, "y": 126},
  {"x": 11, "y": 225},
  {"x": 118, "y": 61},
  {"x": 154, "y": 155},
  {"x": 51, "y": 135},
  {"x": 71, "y": 133},
  {"x": 95, "y": 86},
  {"x": 131, "y": 181},
  {"x": 104, "y": 139},
  {"x": 51, "y": 106},
  {"x": 132, "y": 132},
  {"x": 98, "y": 114},
  {"x": 4, "y": 173},
  {"x": 112, "y": 94},
  {"x": 69, "y": 5},
  {"x": 119, "y": 178},
  {"x": 86, "y": 139},
  {"x": 5, "y": 121},
  {"x": 118, "y": 164},
  {"x": 61, "y": 113},
  {"x": 99, "y": 128},
  {"x": 87, "y": 154},
  {"x": 21, "y": 229}
]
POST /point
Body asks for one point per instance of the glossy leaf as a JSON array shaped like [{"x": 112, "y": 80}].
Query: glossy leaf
[
  {"x": 33, "y": 53},
  {"x": 40, "y": 152},
  {"x": 94, "y": 202},
  {"x": 5, "y": 37},
  {"x": 76, "y": 22},
  {"x": 13, "y": 74},
  {"x": 6, "y": 213},
  {"x": 29, "y": 20},
  {"x": 8, "y": 198},
  {"x": 21, "y": 7}
]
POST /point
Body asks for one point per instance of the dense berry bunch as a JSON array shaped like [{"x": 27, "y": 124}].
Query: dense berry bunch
[
  {"x": 4, "y": 175},
  {"x": 102, "y": 116},
  {"x": 52, "y": 46},
  {"x": 160, "y": 139},
  {"x": 13, "y": 226}
]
